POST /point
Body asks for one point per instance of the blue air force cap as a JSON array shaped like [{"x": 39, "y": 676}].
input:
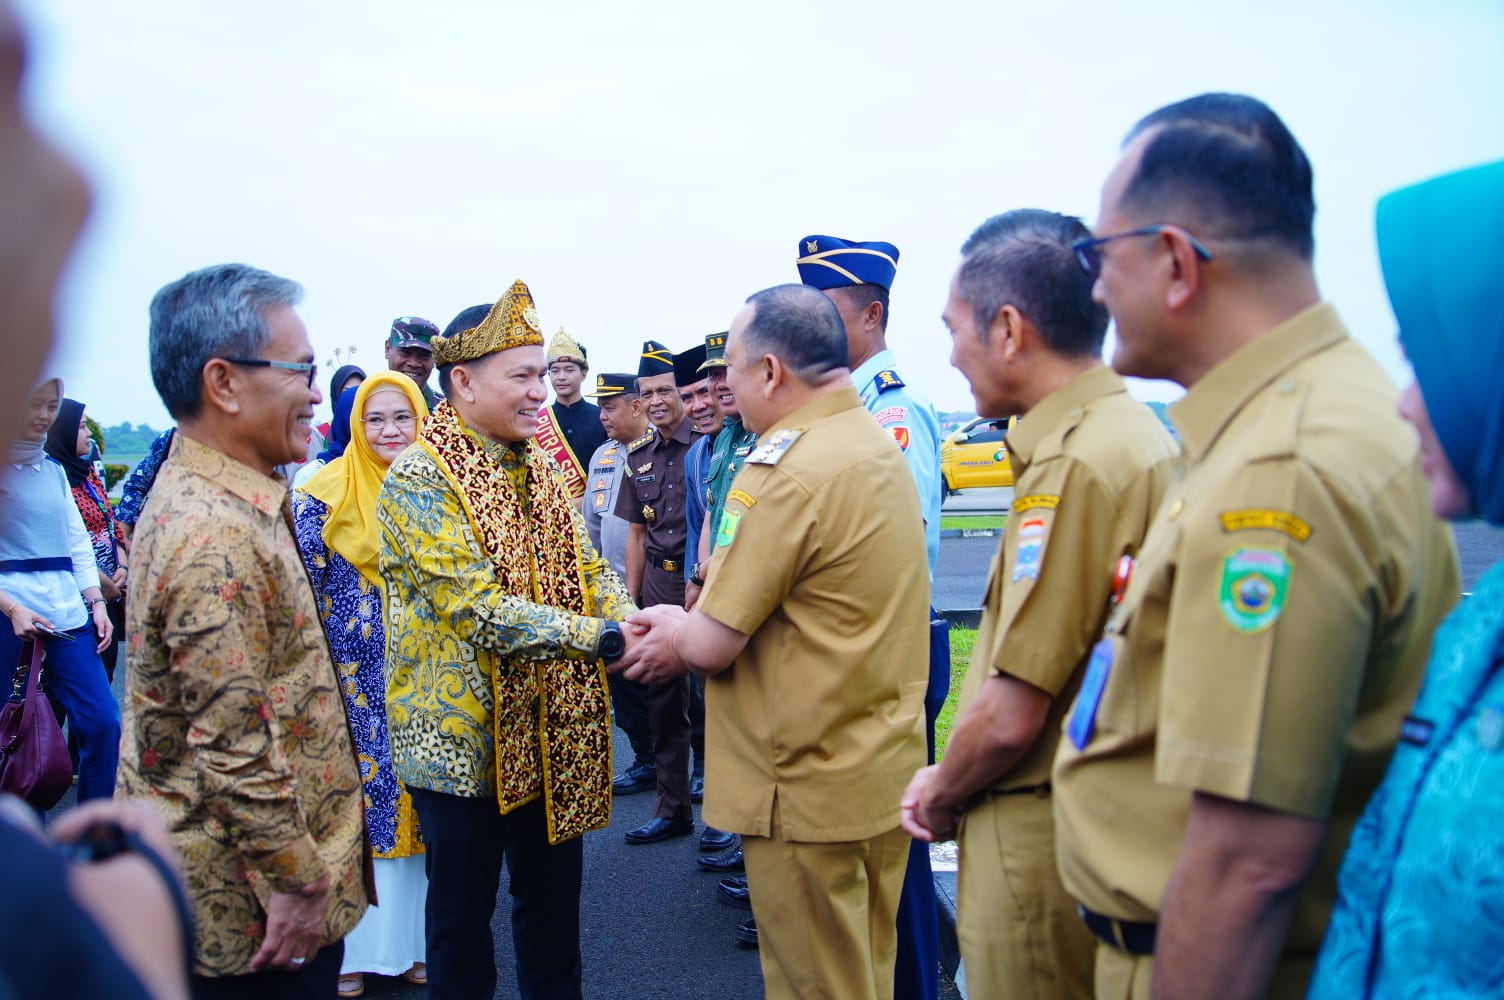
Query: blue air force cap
[
  {"x": 830, "y": 262},
  {"x": 656, "y": 360}
]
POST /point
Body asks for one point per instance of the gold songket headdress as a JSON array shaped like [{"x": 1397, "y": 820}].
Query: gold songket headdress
[
  {"x": 512, "y": 322},
  {"x": 563, "y": 347}
]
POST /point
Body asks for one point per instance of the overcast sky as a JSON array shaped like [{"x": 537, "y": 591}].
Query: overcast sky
[{"x": 644, "y": 167}]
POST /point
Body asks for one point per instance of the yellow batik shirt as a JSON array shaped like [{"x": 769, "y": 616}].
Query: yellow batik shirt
[
  {"x": 452, "y": 625},
  {"x": 234, "y": 727}
]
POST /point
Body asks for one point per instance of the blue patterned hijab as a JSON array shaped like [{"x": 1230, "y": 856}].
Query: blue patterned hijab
[{"x": 1441, "y": 244}]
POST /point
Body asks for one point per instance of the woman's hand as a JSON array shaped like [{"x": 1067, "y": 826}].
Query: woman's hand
[
  {"x": 24, "y": 621},
  {"x": 102, "y": 626}
]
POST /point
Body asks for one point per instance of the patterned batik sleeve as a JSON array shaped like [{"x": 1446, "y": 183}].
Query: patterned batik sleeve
[
  {"x": 603, "y": 588},
  {"x": 218, "y": 595},
  {"x": 430, "y": 554}
]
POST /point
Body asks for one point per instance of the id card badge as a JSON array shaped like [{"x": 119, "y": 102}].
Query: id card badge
[{"x": 1083, "y": 720}]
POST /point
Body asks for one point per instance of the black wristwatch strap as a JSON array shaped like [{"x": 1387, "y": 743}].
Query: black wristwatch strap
[
  {"x": 106, "y": 839},
  {"x": 611, "y": 644}
]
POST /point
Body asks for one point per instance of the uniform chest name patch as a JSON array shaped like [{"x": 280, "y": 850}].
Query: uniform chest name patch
[
  {"x": 1273, "y": 520},
  {"x": 1031, "y": 539},
  {"x": 1255, "y": 583}
]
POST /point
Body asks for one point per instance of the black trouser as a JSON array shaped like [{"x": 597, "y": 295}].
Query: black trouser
[
  {"x": 317, "y": 980},
  {"x": 629, "y": 708},
  {"x": 466, "y": 840},
  {"x": 668, "y": 709}
]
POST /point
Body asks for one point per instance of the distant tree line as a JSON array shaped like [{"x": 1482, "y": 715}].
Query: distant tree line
[{"x": 127, "y": 439}]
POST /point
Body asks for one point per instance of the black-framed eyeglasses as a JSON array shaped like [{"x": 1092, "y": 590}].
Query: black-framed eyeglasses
[
  {"x": 304, "y": 367},
  {"x": 1091, "y": 261}
]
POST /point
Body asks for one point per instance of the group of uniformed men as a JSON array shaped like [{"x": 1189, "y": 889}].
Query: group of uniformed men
[
  {"x": 1193, "y": 658},
  {"x": 1192, "y": 664}
]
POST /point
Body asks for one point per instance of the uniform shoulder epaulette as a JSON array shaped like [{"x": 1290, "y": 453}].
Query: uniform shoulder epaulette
[
  {"x": 641, "y": 441},
  {"x": 887, "y": 379},
  {"x": 773, "y": 447}
]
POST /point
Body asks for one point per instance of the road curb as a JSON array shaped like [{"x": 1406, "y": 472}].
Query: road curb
[
  {"x": 962, "y": 617},
  {"x": 969, "y": 532}
]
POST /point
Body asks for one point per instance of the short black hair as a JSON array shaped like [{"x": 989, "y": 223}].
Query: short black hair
[
  {"x": 800, "y": 326},
  {"x": 863, "y": 296},
  {"x": 1230, "y": 162},
  {"x": 468, "y": 319},
  {"x": 1024, "y": 259}
]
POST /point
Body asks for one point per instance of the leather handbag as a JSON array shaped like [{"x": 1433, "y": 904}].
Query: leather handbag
[{"x": 34, "y": 762}]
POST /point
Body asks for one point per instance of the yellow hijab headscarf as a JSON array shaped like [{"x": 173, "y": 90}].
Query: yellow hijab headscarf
[{"x": 349, "y": 484}]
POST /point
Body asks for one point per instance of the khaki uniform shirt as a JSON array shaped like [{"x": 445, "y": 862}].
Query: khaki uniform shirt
[
  {"x": 1275, "y": 629},
  {"x": 234, "y": 725},
  {"x": 822, "y": 563},
  {"x": 653, "y": 493},
  {"x": 1090, "y": 464}
]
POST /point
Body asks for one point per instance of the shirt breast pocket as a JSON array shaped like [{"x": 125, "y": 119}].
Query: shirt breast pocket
[{"x": 647, "y": 492}]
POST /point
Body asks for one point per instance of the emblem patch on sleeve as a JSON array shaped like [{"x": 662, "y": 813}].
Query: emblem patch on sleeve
[
  {"x": 1031, "y": 538},
  {"x": 726, "y": 530},
  {"x": 901, "y": 435},
  {"x": 1255, "y": 583}
]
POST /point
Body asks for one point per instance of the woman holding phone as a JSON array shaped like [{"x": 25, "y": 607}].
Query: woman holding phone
[{"x": 49, "y": 590}]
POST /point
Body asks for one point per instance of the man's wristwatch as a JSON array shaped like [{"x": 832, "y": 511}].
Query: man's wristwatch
[
  {"x": 611, "y": 644},
  {"x": 697, "y": 575}
]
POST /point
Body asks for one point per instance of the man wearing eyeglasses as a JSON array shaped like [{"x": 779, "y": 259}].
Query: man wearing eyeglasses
[
  {"x": 1249, "y": 687},
  {"x": 1090, "y": 464},
  {"x": 234, "y": 727}
]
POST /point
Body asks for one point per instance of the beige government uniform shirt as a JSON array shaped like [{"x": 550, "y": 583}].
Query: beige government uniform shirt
[
  {"x": 821, "y": 561},
  {"x": 1275, "y": 629},
  {"x": 1090, "y": 464}
]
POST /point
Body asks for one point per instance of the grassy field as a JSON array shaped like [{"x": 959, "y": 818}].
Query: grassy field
[
  {"x": 961, "y": 641},
  {"x": 973, "y": 521}
]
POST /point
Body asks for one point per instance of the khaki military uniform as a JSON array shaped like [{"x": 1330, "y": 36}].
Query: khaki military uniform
[
  {"x": 1090, "y": 464},
  {"x": 813, "y": 733},
  {"x": 1272, "y": 636},
  {"x": 653, "y": 495}
]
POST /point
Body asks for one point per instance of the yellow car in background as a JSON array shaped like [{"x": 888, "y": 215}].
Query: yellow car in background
[{"x": 975, "y": 456}]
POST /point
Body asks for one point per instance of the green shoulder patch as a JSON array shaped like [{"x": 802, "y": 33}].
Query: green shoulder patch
[
  {"x": 1253, "y": 589},
  {"x": 726, "y": 530}
]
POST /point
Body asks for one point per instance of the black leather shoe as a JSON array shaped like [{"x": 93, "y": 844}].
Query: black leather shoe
[
  {"x": 735, "y": 892},
  {"x": 730, "y": 861},
  {"x": 746, "y": 933},
  {"x": 697, "y": 788},
  {"x": 657, "y": 829},
  {"x": 712, "y": 839},
  {"x": 637, "y": 778}
]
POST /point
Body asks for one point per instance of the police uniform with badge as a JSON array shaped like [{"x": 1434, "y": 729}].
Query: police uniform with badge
[
  {"x": 1090, "y": 465},
  {"x": 830, "y": 263},
  {"x": 1270, "y": 641},
  {"x": 608, "y": 532},
  {"x": 814, "y": 731},
  {"x": 653, "y": 495}
]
